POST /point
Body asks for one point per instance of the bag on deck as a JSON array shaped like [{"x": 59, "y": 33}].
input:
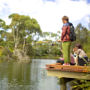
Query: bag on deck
[
  {"x": 83, "y": 61},
  {"x": 72, "y": 33}
]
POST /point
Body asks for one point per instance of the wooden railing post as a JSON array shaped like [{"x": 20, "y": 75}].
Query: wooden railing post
[{"x": 62, "y": 84}]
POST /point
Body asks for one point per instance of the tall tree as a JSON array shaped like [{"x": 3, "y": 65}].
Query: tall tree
[
  {"x": 82, "y": 33},
  {"x": 23, "y": 28}
]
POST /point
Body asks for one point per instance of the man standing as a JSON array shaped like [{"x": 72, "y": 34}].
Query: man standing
[{"x": 66, "y": 42}]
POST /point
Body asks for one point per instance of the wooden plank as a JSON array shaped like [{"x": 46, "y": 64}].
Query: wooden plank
[
  {"x": 85, "y": 69},
  {"x": 64, "y": 74}
]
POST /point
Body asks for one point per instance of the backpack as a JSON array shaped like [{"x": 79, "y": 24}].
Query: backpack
[{"x": 72, "y": 33}]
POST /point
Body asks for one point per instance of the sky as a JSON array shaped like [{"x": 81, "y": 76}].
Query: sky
[{"x": 48, "y": 13}]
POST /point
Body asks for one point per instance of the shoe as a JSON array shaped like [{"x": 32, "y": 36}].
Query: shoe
[{"x": 66, "y": 64}]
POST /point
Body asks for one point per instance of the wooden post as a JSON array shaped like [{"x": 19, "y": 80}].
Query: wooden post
[{"x": 62, "y": 84}]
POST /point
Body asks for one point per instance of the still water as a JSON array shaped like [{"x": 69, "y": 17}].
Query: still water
[{"x": 27, "y": 76}]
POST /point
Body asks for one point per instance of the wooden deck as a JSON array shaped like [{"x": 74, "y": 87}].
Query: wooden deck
[
  {"x": 76, "y": 72},
  {"x": 68, "y": 73}
]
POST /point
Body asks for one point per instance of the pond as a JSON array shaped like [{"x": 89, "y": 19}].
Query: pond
[{"x": 27, "y": 76}]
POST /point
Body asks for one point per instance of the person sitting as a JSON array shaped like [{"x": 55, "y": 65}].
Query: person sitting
[
  {"x": 80, "y": 56},
  {"x": 61, "y": 60}
]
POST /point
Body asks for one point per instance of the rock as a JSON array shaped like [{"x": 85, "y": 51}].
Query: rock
[{"x": 21, "y": 55}]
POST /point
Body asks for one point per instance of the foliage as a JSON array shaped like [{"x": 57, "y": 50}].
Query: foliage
[
  {"x": 80, "y": 85},
  {"x": 19, "y": 34},
  {"x": 83, "y": 37},
  {"x": 23, "y": 29},
  {"x": 24, "y": 32},
  {"x": 47, "y": 48}
]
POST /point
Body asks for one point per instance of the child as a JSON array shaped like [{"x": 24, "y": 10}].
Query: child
[
  {"x": 61, "y": 60},
  {"x": 80, "y": 55}
]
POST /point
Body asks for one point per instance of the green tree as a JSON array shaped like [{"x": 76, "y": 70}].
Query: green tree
[{"x": 24, "y": 29}]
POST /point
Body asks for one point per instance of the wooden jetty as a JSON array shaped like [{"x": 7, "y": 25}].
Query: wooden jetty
[{"x": 67, "y": 73}]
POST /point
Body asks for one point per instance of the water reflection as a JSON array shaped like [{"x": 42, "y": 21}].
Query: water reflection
[{"x": 26, "y": 76}]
